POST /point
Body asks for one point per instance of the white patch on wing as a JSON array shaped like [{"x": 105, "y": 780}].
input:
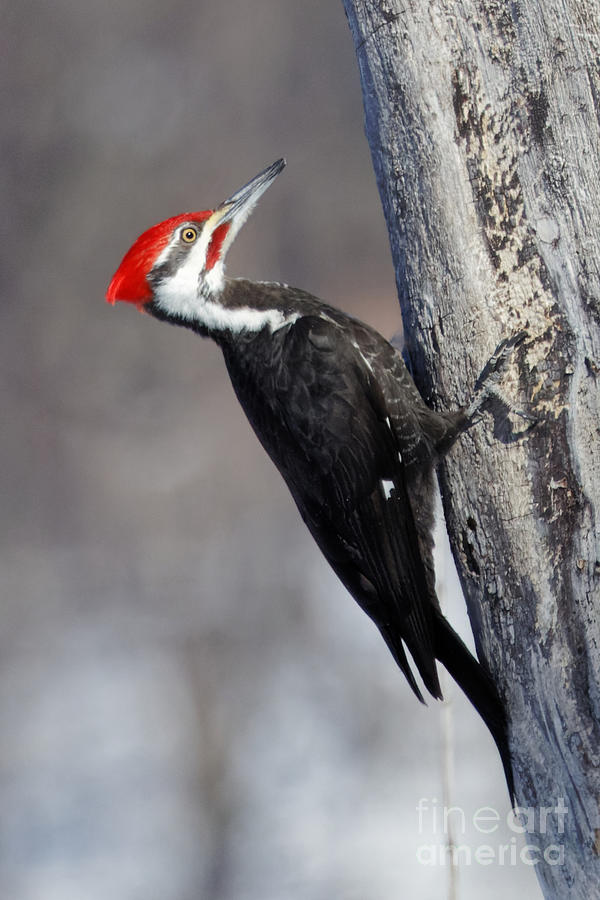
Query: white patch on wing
[
  {"x": 388, "y": 487},
  {"x": 366, "y": 361}
]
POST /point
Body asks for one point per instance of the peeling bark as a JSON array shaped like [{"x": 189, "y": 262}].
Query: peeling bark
[{"x": 483, "y": 119}]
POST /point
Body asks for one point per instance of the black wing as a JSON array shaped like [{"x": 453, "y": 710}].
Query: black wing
[
  {"x": 337, "y": 411},
  {"x": 344, "y": 461}
]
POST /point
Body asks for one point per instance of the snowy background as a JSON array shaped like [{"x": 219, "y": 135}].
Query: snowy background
[{"x": 191, "y": 705}]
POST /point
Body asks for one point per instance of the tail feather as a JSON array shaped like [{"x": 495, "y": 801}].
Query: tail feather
[
  {"x": 479, "y": 688},
  {"x": 421, "y": 648},
  {"x": 412, "y": 637},
  {"x": 399, "y": 653}
]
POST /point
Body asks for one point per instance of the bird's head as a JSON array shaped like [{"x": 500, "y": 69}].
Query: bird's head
[{"x": 178, "y": 265}]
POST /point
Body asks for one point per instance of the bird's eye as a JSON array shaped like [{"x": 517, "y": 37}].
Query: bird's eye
[{"x": 189, "y": 234}]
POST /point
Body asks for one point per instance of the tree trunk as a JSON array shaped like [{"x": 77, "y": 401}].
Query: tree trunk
[{"x": 483, "y": 122}]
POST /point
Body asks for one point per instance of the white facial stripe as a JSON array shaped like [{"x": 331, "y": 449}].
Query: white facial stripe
[
  {"x": 214, "y": 281},
  {"x": 218, "y": 318},
  {"x": 190, "y": 291},
  {"x": 181, "y": 296}
]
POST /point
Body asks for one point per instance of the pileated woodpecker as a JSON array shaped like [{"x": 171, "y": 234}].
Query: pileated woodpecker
[{"x": 338, "y": 413}]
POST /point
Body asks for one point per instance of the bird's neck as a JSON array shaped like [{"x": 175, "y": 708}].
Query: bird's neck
[{"x": 238, "y": 308}]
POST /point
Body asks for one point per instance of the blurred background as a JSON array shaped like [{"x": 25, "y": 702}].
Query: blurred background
[{"x": 191, "y": 705}]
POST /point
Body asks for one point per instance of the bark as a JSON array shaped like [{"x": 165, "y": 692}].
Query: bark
[{"x": 483, "y": 122}]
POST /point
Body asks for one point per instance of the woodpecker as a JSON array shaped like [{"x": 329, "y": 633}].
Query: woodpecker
[{"x": 336, "y": 409}]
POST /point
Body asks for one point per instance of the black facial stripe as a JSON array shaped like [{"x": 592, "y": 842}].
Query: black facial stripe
[{"x": 176, "y": 257}]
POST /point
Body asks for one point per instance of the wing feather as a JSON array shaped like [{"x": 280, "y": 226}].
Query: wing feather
[{"x": 350, "y": 439}]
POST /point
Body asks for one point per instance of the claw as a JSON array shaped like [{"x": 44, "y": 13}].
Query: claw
[
  {"x": 486, "y": 386},
  {"x": 500, "y": 357},
  {"x": 527, "y": 416}
]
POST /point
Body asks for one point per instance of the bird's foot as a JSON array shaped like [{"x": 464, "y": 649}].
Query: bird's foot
[{"x": 487, "y": 393}]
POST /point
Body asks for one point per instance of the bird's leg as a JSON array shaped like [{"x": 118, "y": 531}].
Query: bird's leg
[{"x": 487, "y": 390}]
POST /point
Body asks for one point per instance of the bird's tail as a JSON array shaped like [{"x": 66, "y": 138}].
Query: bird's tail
[{"x": 479, "y": 688}]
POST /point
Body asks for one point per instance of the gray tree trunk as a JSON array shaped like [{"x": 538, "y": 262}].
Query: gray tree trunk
[{"x": 483, "y": 122}]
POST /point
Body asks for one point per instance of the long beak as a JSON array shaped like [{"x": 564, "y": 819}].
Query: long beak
[{"x": 239, "y": 206}]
